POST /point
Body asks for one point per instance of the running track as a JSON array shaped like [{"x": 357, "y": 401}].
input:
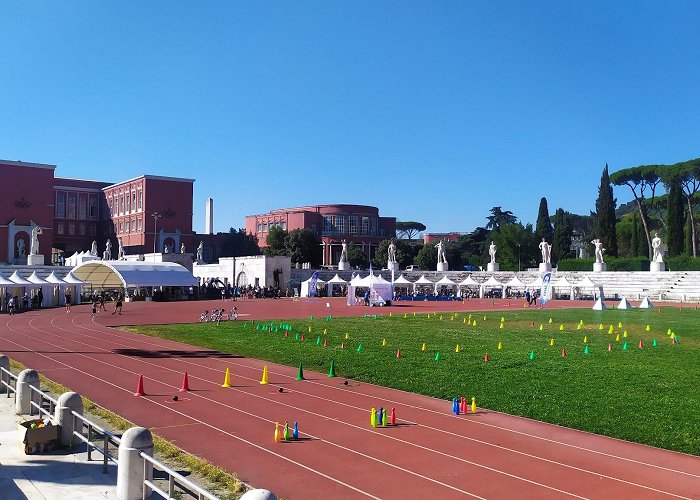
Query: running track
[{"x": 431, "y": 452}]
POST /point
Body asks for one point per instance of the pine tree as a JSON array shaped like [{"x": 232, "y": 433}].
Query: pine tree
[
  {"x": 675, "y": 218},
  {"x": 561, "y": 239},
  {"x": 543, "y": 227},
  {"x": 642, "y": 247},
  {"x": 604, "y": 220},
  {"x": 634, "y": 244}
]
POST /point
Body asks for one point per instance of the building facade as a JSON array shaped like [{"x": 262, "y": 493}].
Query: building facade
[
  {"x": 358, "y": 224},
  {"x": 147, "y": 213}
]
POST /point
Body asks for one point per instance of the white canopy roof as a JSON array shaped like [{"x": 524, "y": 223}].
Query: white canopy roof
[
  {"x": 129, "y": 274},
  {"x": 562, "y": 282},
  {"x": 379, "y": 280},
  {"x": 5, "y": 282},
  {"x": 71, "y": 279},
  {"x": 52, "y": 278},
  {"x": 356, "y": 280},
  {"x": 19, "y": 280},
  {"x": 337, "y": 280},
  {"x": 423, "y": 281},
  {"x": 402, "y": 281},
  {"x": 492, "y": 282},
  {"x": 446, "y": 281},
  {"x": 587, "y": 283},
  {"x": 537, "y": 283},
  {"x": 515, "y": 282},
  {"x": 469, "y": 281},
  {"x": 319, "y": 280},
  {"x": 38, "y": 280}
]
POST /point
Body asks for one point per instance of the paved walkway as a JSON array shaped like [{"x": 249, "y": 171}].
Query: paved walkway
[{"x": 56, "y": 475}]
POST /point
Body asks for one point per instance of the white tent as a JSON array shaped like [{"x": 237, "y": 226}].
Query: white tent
[
  {"x": 21, "y": 288},
  {"x": 467, "y": 282},
  {"x": 564, "y": 283},
  {"x": 379, "y": 290},
  {"x": 59, "y": 285},
  {"x": 492, "y": 283},
  {"x": 46, "y": 289},
  {"x": 305, "y": 285},
  {"x": 586, "y": 282},
  {"x": 444, "y": 281},
  {"x": 402, "y": 281},
  {"x": 422, "y": 282},
  {"x": 516, "y": 282},
  {"x": 335, "y": 280},
  {"x": 4, "y": 285}
]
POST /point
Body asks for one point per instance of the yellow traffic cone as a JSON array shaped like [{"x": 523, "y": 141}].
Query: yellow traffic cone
[
  {"x": 423, "y": 348},
  {"x": 264, "y": 379},
  {"x": 551, "y": 341},
  {"x": 227, "y": 379},
  {"x": 473, "y": 404},
  {"x": 500, "y": 345},
  {"x": 457, "y": 348}
]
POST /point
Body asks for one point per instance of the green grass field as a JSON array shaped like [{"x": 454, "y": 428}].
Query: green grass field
[{"x": 648, "y": 395}]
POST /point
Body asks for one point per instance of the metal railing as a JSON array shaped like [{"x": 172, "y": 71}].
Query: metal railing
[
  {"x": 43, "y": 398},
  {"x": 174, "y": 479},
  {"x": 95, "y": 436},
  {"x": 9, "y": 381}
]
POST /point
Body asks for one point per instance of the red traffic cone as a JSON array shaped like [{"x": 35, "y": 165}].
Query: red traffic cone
[
  {"x": 463, "y": 405},
  {"x": 398, "y": 353},
  {"x": 641, "y": 344},
  {"x": 185, "y": 384},
  {"x": 325, "y": 342},
  {"x": 392, "y": 418},
  {"x": 563, "y": 352},
  {"x": 342, "y": 345},
  {"x": 609, "y": 347},
  {"x": 139, "y": 387},
  {"x": 486, "y": 357}
]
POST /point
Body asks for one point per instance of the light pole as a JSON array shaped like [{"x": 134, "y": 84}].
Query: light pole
[
  {"x": 518, "y": 257},
  {"x": 155, "y": 216}
]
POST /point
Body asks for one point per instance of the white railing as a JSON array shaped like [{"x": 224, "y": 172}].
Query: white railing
[
  {"x": 8, "y": 380},
  {"x": 95, "y": 435},
  {"x": 43, "y": 398},
  {"x": 174, "y": 479}
]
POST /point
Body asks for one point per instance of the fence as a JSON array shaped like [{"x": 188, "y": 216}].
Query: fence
[{"x": 6, "y": 380}]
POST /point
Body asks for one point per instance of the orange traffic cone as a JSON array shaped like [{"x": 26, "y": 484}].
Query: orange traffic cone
[
  {"x": 227, "y": 378},
  {"x": 398, "y": 353},
  {"x": 486, "y": 357},
  {"x": 563, "y": 352},
  {"x": 641, "y": 344},
  {"x": 185, "y": 384},
  {"x": 325, "y": 342},
  {"x": 139, "y": 387},
  {"x": 264, "y": 379}
]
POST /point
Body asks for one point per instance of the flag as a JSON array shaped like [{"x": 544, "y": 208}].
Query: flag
[
  {"x": 544, "y": 291},
  {"x": 313, "y": 290}
]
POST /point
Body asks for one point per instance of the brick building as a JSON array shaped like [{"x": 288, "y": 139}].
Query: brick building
[{"x": 359, "y": 224}]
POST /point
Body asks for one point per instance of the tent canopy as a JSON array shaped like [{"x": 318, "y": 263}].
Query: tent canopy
[
  {"x": 423, "y": 281},
  {"x": 402, "y": 281},
  {"x": 562, "y": 282},
  {"x": 19, "y": 280},
  {"x": 55, "y": 280},
  {"x": 587, "y": 283},
  {"x": 128, "y": 274},
  {"x": 337, "y": 280},
  {"x": 469, "y": 281},
  {"x": 38, "y": 280},
  {"x": 491, "y": 282},
  {"x": 446, "y": 281},
  {"x": 516, "y": 282}
]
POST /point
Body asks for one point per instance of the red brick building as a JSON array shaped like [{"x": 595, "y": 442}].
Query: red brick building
[
  {"x": 73, "y": 213},
  {"x": 359, "y": 224}
]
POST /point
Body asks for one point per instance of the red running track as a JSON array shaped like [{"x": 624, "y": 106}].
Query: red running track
[{"x": 430, "y": 452}]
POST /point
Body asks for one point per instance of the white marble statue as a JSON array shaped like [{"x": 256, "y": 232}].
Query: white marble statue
[
  {"x": 344, "y": 252},
  {"x": 441, "y": 252},
  {"x": 392, "y": 252},
  {"x": 34, "y": 247},
  {"x": 21, "y": 248},
  {"x": 598, "y": 245},
  {"x": 200, "y": 251},
  {"x": 120, "y": 254},
  {"x": 658, "y": 248},
  {"x": 546, "y": 249},
  {"x": 93, "y": 249},
  {"x": 492, "y": 252},
  {"x": 107, "y": 255},
  {"x": 166, "y": 249},
  {"x": 182, "y": 248}
]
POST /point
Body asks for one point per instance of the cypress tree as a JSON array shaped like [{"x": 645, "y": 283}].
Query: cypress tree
[
  {"x": 642, "y": 247},
  {"x": 561, "y": 239},
  {"x": 543, "y": 227},
  {"x": 675, "y": 219},
  {"x": 688, "y": 247},
  {"x": 604, "y": 225}
]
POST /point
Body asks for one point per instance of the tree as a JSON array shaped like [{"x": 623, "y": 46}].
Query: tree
[
  {"x": 500, "y": 218},
  {"x": 561, "y": 239},
  {"x": 604, "y": 219},
  {"x": 238, "y": 243},
  {"x": 639, "y": 180},
  {"x": 404, "y": 254},
  {"x": 303, "y": 245},
  {"x": 409, "y": 229},
  {"x": 275, "y": 242},
  {"x": 689, "y": 174},
  {"x": 634, "y": 245},
  {"x": 675, "y": 218},
  {"x": 356, "y": 257},
  {"x": 543, "y": 226},
  {"x": 517, "y": 246},
  {"x": 427, "y": 257}
]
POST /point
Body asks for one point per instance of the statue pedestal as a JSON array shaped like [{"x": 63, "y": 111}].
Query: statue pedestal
[
  {"x": 343, "y": 265},
  {"x": 545, "y": 267},
  {"x": 599, "y": 267},
  {"x": 442, "y": 266},
  {"x": 492, "y": 267},
  {"x": 657, "y": 267},
  {"x": 35, "y": 260},
  {"x": 393, "y": 266}
]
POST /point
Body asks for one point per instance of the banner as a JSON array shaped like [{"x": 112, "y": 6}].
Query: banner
[
  {"x": 313, "y": 285},
  {"x": 545, "y": 290}
]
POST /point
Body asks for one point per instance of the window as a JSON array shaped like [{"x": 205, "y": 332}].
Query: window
[
  {"x": 61, "y": 205},
  {"x": 71, "y": 206},
  {"x": 121, "y": 227},
  {"x": 140, "y": 199},
  {"x": 121, "y": 203},
  {"x": 128, "y": 202},
  {"x": 133, "y": 225},
  {"x": 259, "y": 228},
  {"x": 327, "y": 224},
  {"x": 93, "y": 230},
  {"x": 365, "y": 225},
  {"x": 352, "y": 229},
  {"x": 140, "y": 225},
  {"x": 82, "y": 206},
  {"x": 284, "y": 225},
  {"x": 340, "y": 224},
  {"x": 71, "y": 229},
  {"x": 133, "y": 201},
  {"x": 93, "y": 207},
  {"x": 60, "y": 229},
  {"x": 83, "y": 229}
]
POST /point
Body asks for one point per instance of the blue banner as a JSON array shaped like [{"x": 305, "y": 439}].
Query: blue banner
[
  {"x": 313, "y": 285},
  {"x": 544, "y": 291}
]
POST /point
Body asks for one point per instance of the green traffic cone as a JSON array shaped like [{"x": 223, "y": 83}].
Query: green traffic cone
[
  {"x": 245, "y": 324},
  {"x": 318, "y": 340},
  {"x": 331, "y": 371},
  {"x": 532, "y": 354},
  {"x": 585, "y": 351},
  {"x": 624, "y": 346},
  {"x": 296, "y": 337},
  {"x": 359, "y": 347},
  {"x": 300, "y": 373},
  {"x": 654, "y": 343},
  {"x": 437, "y": 356}
]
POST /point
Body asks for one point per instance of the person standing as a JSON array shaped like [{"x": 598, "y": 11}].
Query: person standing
[
  {"x": 118, "y": 305},
  {"x": 69, "y": 301}
]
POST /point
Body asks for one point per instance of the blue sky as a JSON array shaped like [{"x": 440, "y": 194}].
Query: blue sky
[{"x": 433, "y": 111}]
